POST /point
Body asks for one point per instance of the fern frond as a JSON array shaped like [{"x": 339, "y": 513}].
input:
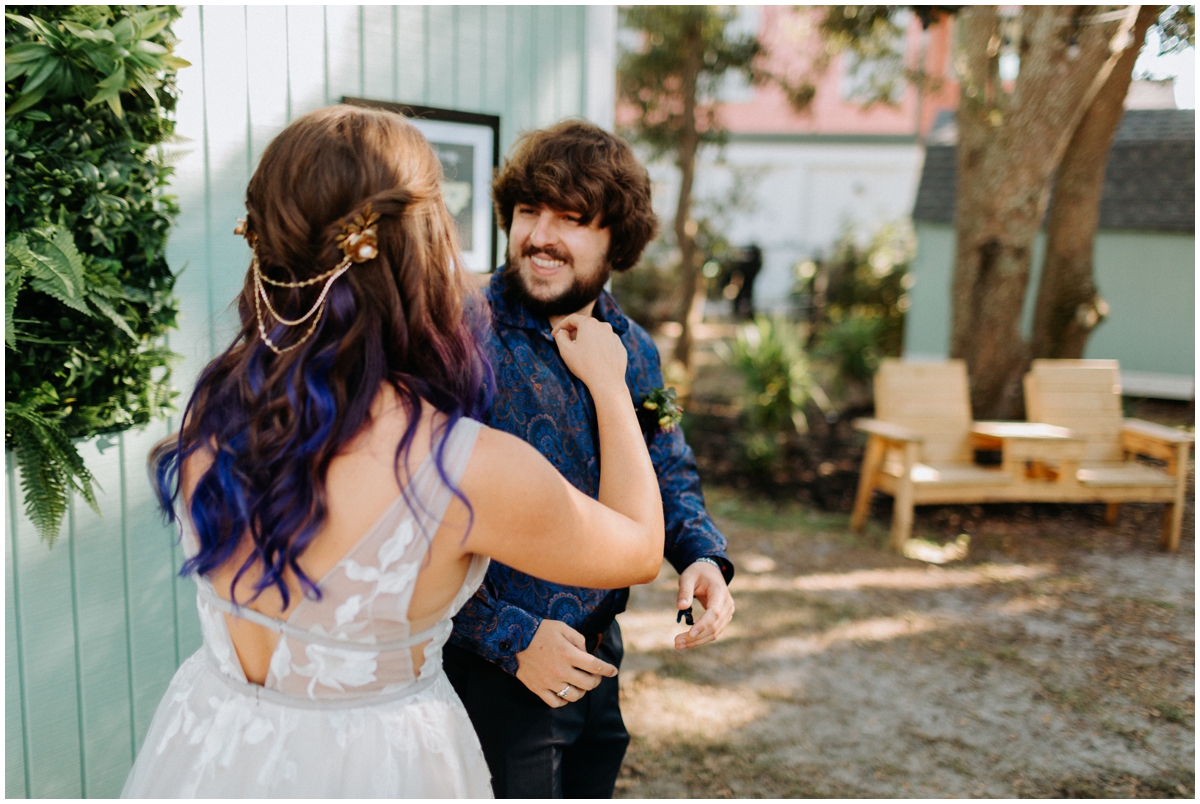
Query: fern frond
[
  {"x": 54, "y": 265},
  {"x": 174, "y": 157},
  {"x": 112, "y": 315},
  {"x": 61, "y": 266},
  {"x": 45, "y": 494},
  {"x": 67, "y": 457},
  {"x": 14, "y": 279},
  {"x": 50, "y": 468}
]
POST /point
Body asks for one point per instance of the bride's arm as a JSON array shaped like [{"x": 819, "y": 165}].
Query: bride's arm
[
  {"x": 594, "y": 354},
  {"x": 529, "y": 517}
]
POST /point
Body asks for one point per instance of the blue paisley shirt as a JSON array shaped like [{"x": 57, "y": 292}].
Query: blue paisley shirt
[{"x": 540, "y": 400}]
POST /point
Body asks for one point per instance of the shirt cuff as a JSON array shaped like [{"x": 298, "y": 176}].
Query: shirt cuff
[
  {"x": 722, "y": 563},
  {"x": 515, "y": 628}
]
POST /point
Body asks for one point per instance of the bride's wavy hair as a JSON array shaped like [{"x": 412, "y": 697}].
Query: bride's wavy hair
[{"x": 409, "y": 317}]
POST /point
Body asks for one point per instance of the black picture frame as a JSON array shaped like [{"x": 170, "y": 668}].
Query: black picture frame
[{"x": 456, "y": 134}]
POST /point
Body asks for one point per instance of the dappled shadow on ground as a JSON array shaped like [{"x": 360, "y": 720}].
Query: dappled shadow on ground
[{"x": 1056, "y": 659}]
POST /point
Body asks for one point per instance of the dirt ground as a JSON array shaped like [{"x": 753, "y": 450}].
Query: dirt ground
[{"x": 1055, "y": 660}]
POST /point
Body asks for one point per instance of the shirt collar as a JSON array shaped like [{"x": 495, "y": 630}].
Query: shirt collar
[{"x": 514, "y": 314}]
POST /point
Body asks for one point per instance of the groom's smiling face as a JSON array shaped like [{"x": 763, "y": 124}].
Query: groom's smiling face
[{"x": 557, "y": 262}]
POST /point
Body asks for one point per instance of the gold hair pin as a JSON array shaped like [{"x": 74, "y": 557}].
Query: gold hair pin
[{"x": 357, "y": 240}]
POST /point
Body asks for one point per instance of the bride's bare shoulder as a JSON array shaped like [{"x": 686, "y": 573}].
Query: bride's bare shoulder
[
  {"x": 493, "y": 444},
  {"x": 501, "y": 460}
]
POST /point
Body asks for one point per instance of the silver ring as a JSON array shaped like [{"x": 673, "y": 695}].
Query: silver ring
[{"x": 563, "y": 692}]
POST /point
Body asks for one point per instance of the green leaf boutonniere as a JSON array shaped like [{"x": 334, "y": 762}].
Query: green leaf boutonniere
[{"x": 659, "y": 411}]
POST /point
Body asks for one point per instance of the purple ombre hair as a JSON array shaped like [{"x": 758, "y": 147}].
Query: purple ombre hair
[{"x": 407, "y": 318}]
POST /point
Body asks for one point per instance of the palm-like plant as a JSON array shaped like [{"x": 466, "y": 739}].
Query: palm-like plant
[{"x": 92, "y": 55}]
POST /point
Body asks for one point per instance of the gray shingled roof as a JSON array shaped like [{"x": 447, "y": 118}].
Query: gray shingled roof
[{"x": 1150, "y": 183}]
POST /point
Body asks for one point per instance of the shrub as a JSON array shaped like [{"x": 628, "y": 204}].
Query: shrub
[
  {"x": 857, "y": 299},
  {"x": 852, "y": 346},
  {"x": 778, "y": 385},
  {"x": 89, "y": 93}
]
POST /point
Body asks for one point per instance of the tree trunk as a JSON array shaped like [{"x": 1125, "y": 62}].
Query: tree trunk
[
  {"x": 1009, "y": 146},
  {"x": 689, "y": 141},
  {"x": 1068, "y": 304}
]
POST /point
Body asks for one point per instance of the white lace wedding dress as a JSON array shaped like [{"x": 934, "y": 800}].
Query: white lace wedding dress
[{"x": 342, "y": 712}]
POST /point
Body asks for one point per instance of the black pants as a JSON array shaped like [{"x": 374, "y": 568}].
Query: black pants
[{"x": 532, "y": 750}]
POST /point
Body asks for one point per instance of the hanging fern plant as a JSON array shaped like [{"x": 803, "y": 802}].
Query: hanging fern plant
[{"x": 89, "y": 96}]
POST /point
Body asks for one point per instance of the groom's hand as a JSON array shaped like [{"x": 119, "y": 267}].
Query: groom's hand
[
  {"x": 704, "y": 582},
  {"x": 557, "y": 656}
]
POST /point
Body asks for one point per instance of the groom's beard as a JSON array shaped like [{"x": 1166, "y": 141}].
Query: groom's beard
[{"x": 578, "y": 294}]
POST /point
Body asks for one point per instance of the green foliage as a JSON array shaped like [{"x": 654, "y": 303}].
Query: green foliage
[
  {"x": 872, "y": 39},
  {"x": 89, "y": 94},
  {"x": 778, "y": 384},
  {"x": 50, "y": 468},
  {"x": 663, "y": 404},
  {"x": 88, "y": 52},
  {"x": 851, "y": 346},
  {"x": 868, "y": 29},
  {"x": 1176, "y": 29},
  {"x": 859, "y": 296},
  {"x": 651, "y": 79}
]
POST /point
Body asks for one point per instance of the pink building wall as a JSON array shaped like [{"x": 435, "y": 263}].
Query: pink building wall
[{"x": 793, "y": 44}]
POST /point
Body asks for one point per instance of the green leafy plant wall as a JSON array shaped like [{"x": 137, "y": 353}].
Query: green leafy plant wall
[{"x": 89, "y": 94}]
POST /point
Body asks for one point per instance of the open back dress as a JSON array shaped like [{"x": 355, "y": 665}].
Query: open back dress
[{"x": 355, "y": 703}]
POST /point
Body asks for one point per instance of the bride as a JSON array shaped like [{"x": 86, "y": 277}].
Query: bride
[{"x": 337, "y": 503}]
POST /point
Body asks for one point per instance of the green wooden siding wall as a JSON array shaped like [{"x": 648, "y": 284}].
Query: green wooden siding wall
[
  {"x": 1147, "y": 278},
  {"x": 95, "y": 627}
]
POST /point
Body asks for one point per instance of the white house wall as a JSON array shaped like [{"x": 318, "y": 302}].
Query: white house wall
[{"x": 804, "y": 195}]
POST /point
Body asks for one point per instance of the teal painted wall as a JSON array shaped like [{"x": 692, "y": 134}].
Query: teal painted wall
[
  {"x": 95, "y": 627},
  {"x": 927, "y": 322},
  {"x": 1147, "y": 278},
  {"x": 1149, "y": 282}
]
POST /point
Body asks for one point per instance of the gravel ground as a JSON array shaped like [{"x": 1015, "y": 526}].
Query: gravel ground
[{"x": 1056, "y": 659}]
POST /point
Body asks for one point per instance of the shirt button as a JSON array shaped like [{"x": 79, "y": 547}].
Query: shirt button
[{"x": 505, "y": 645}]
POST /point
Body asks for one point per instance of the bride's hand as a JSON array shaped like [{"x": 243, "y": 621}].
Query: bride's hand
[{"x": 592, "y": 351}]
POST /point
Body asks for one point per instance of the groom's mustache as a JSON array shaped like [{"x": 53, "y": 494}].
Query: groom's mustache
[{"x": 549, "y": 252}]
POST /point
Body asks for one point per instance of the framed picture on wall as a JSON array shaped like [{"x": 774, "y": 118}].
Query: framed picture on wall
[{"x": 468, "y": 146}]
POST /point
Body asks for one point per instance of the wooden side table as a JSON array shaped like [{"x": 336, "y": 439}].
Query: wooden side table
[{"x": 1032, "y": 451}]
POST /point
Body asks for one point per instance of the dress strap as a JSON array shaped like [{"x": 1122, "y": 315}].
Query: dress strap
[
  {"x": 458, "y": 445},
  {"x": 429, "y": 493},
  {"x": 283, "y": 627}
]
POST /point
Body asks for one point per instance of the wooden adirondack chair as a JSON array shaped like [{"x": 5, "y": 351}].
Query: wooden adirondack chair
[
  {"x": 920, "y": 448},
  {"x": 1085, "y": 396}
]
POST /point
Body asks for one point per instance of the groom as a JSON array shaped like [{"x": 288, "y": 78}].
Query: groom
[{"x": 535, "y": 662}]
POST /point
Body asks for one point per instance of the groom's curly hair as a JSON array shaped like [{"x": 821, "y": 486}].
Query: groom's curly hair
[{"x": 579, "y": 167}]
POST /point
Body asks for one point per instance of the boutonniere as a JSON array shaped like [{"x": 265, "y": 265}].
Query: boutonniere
[{"x": 659, "y": 411}]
